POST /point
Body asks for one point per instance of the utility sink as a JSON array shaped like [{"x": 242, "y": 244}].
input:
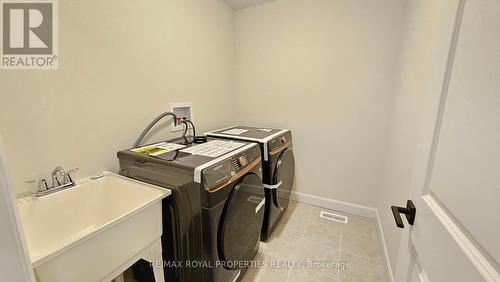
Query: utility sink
[{"x": 94, "y": 230}]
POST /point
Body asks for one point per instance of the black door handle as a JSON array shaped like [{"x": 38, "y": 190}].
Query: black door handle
[{"x": 409, "y": 211}]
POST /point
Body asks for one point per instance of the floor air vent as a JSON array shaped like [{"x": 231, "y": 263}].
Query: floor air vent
[{"x": 333, "y": 217}]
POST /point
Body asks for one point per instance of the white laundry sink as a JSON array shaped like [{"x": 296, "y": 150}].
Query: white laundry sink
[{"x": 90, "y": 231}]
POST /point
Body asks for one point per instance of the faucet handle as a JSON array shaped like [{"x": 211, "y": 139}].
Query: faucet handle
[
  {"x": 72, "y": 170},
  {"x": 42, "y": 184},
  {"x": 67, "y": 176}
]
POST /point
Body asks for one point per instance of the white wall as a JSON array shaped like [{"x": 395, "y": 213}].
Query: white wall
[
  {"x": 121, "y": 64},
  {"x": 426, "y": 39},
  {"x": 326, "y": 70}
]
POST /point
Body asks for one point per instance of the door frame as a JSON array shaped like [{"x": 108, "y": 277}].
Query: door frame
[
  {"x": 423, "y": 168},
  {"x": 12, "y": 227}
]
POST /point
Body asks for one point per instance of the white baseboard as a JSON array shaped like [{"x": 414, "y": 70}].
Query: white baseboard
[
  {"x": 351, "y": 209},
  {"x": 334, "y": 205}
]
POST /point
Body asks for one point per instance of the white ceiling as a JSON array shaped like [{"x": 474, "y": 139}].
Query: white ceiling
[{"x": 240, "y": 4}]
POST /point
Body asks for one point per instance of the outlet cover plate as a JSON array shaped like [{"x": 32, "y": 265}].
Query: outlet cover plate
[{"x": 182, "y": 110}]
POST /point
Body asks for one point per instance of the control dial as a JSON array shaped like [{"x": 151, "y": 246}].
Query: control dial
[
  {"x": 283, "y": 139},
  {"x": 242, "y": 160}
]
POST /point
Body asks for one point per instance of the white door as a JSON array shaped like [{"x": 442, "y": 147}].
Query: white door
[{"x": 456, "y": 184}]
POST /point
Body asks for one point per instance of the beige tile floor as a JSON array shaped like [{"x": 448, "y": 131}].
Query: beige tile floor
[{"x": 305, "y": 247}]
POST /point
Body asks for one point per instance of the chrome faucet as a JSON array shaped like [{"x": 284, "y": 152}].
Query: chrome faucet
[{"x": 61, "y": 179}]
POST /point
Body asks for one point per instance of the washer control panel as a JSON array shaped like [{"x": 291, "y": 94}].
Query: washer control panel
[
  {"x": 227, "y": 168},
  {"x": 242, "y": 160}
]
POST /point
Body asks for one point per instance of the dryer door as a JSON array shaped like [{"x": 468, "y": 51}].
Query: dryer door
[
  {"x": 283, "y": 177},
  {"x": 241, "y": 220}
]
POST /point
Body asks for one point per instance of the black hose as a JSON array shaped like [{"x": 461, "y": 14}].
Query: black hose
[
  {"x": 186, "y": 127},
  {"x": 194, "y": 129}
]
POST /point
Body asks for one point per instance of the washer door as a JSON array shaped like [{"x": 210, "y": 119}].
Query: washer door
[
  {"x": 283, "y": 177},
  {"x": 241, "y": 221}
]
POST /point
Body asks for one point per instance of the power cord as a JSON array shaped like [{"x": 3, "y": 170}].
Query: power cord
[{"x": 186, "y": 128}]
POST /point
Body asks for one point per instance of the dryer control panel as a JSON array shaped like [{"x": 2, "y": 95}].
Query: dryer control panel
[{"x": 280, "y": 141}]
